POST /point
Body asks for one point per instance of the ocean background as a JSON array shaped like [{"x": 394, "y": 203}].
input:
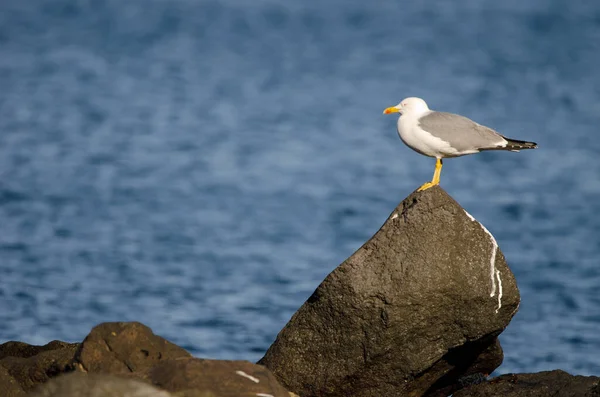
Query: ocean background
[{"x": 201, "y": 165}]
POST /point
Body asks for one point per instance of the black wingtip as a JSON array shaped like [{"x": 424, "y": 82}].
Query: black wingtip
[{"x": 514, "y": 144}]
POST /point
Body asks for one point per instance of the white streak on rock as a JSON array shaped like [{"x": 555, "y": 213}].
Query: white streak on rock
[
  {"x": 499, "y": 290},
  {"x": 470, "y": 216},
  {"x": 264, "y": 395},
  {"x": 492, "y": 262},
  {"x": 245, "y": 375},
  {"x": 394, "y": 216},
  {"x": 494, "y": 273}
]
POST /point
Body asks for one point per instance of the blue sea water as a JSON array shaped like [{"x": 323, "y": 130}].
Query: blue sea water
[{"x": 201, "y": 165}]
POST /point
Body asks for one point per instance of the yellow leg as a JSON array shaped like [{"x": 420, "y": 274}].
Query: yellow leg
[{"x": 436, "y": 176}]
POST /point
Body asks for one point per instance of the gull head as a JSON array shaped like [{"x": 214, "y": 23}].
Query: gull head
[{"x": 413, "y": 106}]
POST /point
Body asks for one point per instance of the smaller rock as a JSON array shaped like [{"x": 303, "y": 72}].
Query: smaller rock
[
  {"x": 124, "y": 348},
  {"x": 198, "y": 377},
  {"x": 96, "y": 385},
  {"x": 24, "y": 350},
  {"x": 30, "y": 365},
  {"x": 555, "y": 383}
]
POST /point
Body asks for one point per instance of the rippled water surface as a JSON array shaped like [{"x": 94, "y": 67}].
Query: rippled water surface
[{"x": 200, "y": 166}]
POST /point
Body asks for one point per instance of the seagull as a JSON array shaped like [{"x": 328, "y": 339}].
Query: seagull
[{"x": 441, "y": 135}]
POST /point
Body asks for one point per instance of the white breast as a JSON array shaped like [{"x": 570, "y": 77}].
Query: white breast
[{"x": 421, "y": 141}]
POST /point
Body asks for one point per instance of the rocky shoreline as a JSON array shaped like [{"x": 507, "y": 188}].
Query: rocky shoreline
[{"x": 415, "y": 311}]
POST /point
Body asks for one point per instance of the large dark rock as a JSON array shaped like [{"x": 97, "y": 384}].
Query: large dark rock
[
  {"x": 407, "y": 314},
  {"x": 78, "y": 384},
  {"x": 31, "y": 365},
  {"x": 550, "y": 383},
  {"x": 124, "y": 348},
  {"x": 199, "y": 377}
]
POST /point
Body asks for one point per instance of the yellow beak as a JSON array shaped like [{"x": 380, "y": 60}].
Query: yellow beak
[{"x": 390, "y": 110}]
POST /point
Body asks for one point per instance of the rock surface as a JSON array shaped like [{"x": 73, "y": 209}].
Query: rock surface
[
  {"x": 132, "y": 350},
  {"x": 30, "y": 365},
  {"x": 97, "y": 385},
  {"x": 216, "y": 378},
  {"x": 412, "y": 309},
  {"x": 550, "y": 383},
  {"x": 9, "y": 385},
  {"x": 124, "y": 348}
]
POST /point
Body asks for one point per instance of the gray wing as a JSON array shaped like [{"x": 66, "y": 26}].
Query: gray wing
[{"x": 461, "y": 133}]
